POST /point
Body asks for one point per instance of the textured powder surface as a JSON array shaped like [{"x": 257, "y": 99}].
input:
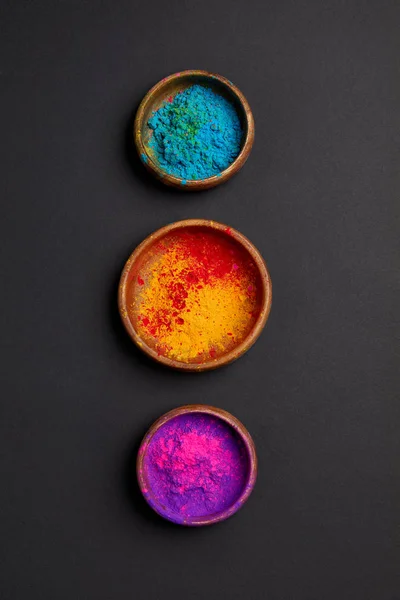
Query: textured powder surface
[
  {"x": 195, "y": 135},
  {"x": 198, "y": 298},
  {"x": 196, "y": 465}
]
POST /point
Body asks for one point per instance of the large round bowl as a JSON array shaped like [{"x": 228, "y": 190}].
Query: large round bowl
[{"x": 138, "y": 273}]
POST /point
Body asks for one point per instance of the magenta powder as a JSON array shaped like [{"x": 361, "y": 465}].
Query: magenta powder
[{"x": 196, "y": 465}]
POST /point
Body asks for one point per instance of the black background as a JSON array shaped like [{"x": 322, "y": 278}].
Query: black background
[{"x": 319, "y": 391}]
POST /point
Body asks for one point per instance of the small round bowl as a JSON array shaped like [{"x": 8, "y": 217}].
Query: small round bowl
[
  {"x": 135, "y": 279},
  {"x": 168, "y": 88},
  {"x": 176, "y": 498}
]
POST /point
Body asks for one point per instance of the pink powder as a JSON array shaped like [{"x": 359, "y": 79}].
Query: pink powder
[{"x": 196, "y": 465}]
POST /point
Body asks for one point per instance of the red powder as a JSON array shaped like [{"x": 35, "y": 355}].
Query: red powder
[{"x": 214, "y": 255}]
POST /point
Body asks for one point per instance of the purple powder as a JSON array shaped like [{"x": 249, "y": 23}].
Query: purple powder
[{"x": 196, "y": 465}]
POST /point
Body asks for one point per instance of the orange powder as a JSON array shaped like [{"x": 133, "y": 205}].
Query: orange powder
[{"x": 198, "y": 296}]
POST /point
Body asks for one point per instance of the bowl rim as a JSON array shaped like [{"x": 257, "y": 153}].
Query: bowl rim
[
  {"x": 194, "y": 184},
  {"x": 244, "y": 435},
  {"x": 238, "y": 350}
]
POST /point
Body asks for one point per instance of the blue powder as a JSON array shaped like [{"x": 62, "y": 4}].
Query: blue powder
[{"x": 196, "y": 135}]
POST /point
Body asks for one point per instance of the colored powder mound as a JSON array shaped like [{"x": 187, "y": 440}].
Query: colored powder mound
[
  {"x": 198, "y": 297},
  {"x": 196, "y": 465},
  {"x": 195, "y": 135}
]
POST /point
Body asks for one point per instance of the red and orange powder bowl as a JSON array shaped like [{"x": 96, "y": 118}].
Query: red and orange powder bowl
[{"x": 195, "y": 295}]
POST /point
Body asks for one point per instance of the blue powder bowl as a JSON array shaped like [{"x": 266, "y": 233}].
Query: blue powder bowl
[{"x": 163, "y": 94}]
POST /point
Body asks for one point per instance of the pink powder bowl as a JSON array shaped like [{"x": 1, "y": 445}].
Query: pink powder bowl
[{"x": 197, "y": 465}]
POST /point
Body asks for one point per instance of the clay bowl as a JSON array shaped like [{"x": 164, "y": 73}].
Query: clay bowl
[
  {"x": 140, "y": 269},
  {"x": 167, "y": 502},
  {"x": 170, "y": 86}
]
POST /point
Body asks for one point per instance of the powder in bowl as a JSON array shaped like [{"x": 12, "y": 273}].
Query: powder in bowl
[
  {"x": 195, "y": 296},
  {"x": 196, "y": 134},
  {"x": 195, "y": 467}
]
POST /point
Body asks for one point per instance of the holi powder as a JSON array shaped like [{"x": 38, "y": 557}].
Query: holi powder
[
  {"x": 196, "y": 465},
  {"x": 195, "y": 295},
  {"x": 196, "y": 134}
]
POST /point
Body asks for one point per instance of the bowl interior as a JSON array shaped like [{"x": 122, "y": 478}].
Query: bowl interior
[
  {"x": 195, "y": 466},
  {"x": 167, "y": 90},
  {"x": 193, "y": 295}
]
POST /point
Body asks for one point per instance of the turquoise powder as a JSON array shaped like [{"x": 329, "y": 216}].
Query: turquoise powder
[{"x": 196, "y": 135}]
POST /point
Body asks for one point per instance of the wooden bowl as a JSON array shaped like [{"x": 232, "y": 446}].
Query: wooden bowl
[
  {"x": 170, "y": 86},
  {"x": 134, "y": 281},
  {"x": 148, "y": 480}
]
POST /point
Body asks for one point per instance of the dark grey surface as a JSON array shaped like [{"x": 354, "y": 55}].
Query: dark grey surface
[{"x": 319, "y": 391}]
